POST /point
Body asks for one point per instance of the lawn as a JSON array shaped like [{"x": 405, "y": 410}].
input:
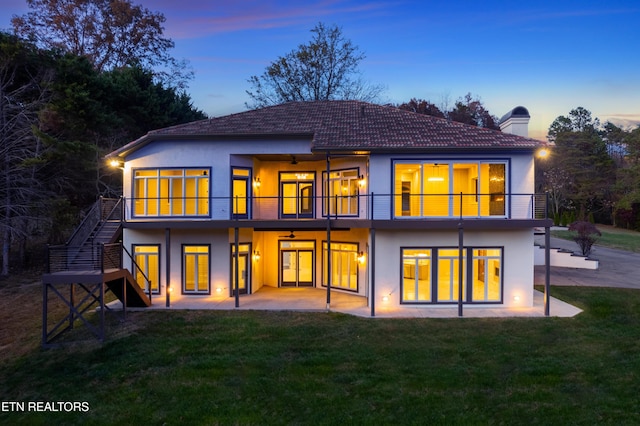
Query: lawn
[
  {"x": 612, "y": 237},
  {"x": 250, "y": 367}
]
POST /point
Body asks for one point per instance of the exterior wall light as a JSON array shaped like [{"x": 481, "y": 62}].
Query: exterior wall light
[
  {"x": 362, "y": 181},
  {"x": 361, "y": 258},
  {"x": 543, "y": 153},
  {"x": 114, "y": 162},
  {"x": 256, "y": 255},
  {"x": 256, "y": 182}
]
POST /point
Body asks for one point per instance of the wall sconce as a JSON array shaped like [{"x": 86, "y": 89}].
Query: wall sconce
[
  {"x": 361, "y": 258},
  {"x": 256, "y": 255},
  {"x": 362, "y": 181},
  {"x": 256, "y": 182},
  {"x": 516, "y": 298},
  {"x": 115, "y": 163},
  {"x": 543, "y": 153},
  {"x": 385, "y": 298}
]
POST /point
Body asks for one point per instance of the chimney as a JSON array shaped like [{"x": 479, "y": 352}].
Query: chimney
[{"x": 516, "y": 122}]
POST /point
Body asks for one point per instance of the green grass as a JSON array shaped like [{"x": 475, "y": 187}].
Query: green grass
[
  {"x": 622, "y": 239},
  {"x": 245, "y": 367}
]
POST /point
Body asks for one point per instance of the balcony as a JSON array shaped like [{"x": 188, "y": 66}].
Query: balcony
[{"x": 378, "y": 207}]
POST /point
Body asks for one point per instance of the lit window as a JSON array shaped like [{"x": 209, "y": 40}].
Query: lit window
[
  {"x": 195, "y": 264},
  {"x": 171, "y": 192}
]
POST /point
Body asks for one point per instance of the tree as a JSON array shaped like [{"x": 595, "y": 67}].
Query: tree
[
  {"x": 580, "y": 171},
  {"x": 421, "y": 106},
  {"x": 24, "y": 77},
  {"x": 470, "y": 110},
  {"x": 326, "y": 68},
  {"x": 109, "y": 33}
]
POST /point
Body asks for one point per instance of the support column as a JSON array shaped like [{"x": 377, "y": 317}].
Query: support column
[
  {"x": 547, "y": 268},
  {"x": 236, "y": 261},
  {"x": 460, "y": 266},
  {"x": 328, "y": 232},
  {"x": 167, "y": 246},
  {"x": 372, "y": 269}
]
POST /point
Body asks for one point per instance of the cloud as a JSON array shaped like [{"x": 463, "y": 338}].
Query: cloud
[{"x": 198, "y": 19}]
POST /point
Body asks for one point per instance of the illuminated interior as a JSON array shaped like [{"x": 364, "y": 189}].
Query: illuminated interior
[
  {"x": 429, "y": 189},
  {"x": 171, "y": 192},
  {"x": 296, "y": 263},
  {"x": 297, "y": 194},
  {"x": 240, "y": 192},
  {"x": 343, "y": 192},
  {"x": 432, "y": 275},
  {"x": 147, "y": 260},
  {"x": 244, "y": 267},
  {"x": 196, "y": 269},
  {"x": 344, "y": 265}
]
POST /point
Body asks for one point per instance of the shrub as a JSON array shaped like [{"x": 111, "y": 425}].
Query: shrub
[{"x": 586, "y": 235}]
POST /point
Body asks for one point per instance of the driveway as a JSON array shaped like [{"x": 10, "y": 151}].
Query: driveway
[{"x": 617, "y": 268}]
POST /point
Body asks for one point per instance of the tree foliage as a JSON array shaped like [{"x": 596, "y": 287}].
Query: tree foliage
[
  {"x": 324, "y": 69},
  {"x": 59, "y": 116},
  {"x": 468, "y": 109},
  {"x": 25, "y": 74},
  {"x": 109, "y": 33}
]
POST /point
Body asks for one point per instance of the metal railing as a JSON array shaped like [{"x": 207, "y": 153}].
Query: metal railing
[{"x": 363, "y": 206}]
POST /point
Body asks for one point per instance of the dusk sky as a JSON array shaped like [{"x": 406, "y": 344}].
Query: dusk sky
[{"x": 549, "y": 56}]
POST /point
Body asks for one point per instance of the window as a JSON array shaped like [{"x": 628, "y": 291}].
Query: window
[
  {"x": 147, "y": 258},
  {"x": 416, "y": 275},
  {"x": 487, "y": 275},
  {"x": 240, "y": 192},
  {"x": 171, "y": 192},
  {"x": 344, "y": 266},
  {"x": 342, "y": 193},
  {"x": 297, "y": 194},
  {"x": 195, "y": 269},
  {"x": 446, "y": 189},
  {"x": 432, "y": 275}
]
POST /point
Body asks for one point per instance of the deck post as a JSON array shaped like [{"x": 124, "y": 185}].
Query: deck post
[
  {"x": 547, "y": 268},
  {"x": 372, "y": 269},
  {"x": 460, "y": 266},
  {"x": 328, "y": 195},
  {"x": 72, "y": 303},
  {"x": 167, "y": 244},
  {"x": 236, "y": 261}
]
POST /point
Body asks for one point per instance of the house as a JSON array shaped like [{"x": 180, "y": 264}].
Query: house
[{"x": 399, "y": 208}]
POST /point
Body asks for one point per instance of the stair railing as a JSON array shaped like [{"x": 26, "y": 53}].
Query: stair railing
[{"x": 137, "y": 267}]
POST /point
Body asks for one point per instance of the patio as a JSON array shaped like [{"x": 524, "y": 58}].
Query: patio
[{"x": 314, "y": 300}]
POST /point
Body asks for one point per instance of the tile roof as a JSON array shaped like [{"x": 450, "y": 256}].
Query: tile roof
[{"x": 344, "y": 125}]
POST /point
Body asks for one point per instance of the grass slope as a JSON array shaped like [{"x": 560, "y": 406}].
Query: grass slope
[{"x": 244, "y": 367}]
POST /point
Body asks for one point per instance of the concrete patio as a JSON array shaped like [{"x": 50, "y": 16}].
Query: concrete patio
[{"x": 314, "y": 300}]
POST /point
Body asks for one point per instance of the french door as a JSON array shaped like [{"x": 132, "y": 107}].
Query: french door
[{"x": 297, "y": 264}]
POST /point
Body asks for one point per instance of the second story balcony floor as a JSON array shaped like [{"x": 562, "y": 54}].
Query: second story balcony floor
[{"x": 305, "y": 206}]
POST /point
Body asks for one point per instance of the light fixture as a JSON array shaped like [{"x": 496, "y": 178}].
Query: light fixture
[
  {"x": 219, "y": 290},
  {"x": 516, "y": 298},
  {"x": 301, "y": 176},
  {"x": 256, "y": 255},
  {"x": 543, "y": 153},
  {"x": 436, "y": 172},
  {"x": 114, "y": 162},
  {"x": 256, "y": 182},
  {"x": 361, "y": 258},
  {"x": 385, "y": 298},
  {"x": 362, "y": 181}
]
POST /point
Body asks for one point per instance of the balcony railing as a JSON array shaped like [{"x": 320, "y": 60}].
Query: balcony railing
[{"x": 364, "y": 206}]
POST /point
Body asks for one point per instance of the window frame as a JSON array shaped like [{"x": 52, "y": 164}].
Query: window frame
[
  {"x": 468, "y": 270},
  {"x": 326, "y": 192},
  {"x": 299, "y": 214},
  {"x": 159, "y": 254},
  {"x": 324, "y": 278},
  {"x": 170, "y": 199},
  {"x": 248, "y": 200},
  {"x": 184, "y": 270},
  {"x": 482, "y": 198}
]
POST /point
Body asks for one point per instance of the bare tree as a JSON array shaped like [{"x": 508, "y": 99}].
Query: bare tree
[
  {"x": 326, "y": 68},
  {"x": 23, "y": 80},
  {"x": 110, "y": 33}
]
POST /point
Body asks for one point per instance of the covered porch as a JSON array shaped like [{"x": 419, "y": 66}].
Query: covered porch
[{"x": 315, "y": 300}]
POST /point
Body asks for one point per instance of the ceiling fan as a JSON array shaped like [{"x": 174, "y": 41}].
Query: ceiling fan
[{"x": 291, "y": 235}]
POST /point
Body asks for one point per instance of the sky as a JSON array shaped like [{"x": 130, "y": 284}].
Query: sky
[{"x": 548, "y": 56}]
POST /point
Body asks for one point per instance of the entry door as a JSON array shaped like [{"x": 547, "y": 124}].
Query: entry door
[
  {"x": 296, "y": 268},
  {"x": 243, "y": 275}
]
